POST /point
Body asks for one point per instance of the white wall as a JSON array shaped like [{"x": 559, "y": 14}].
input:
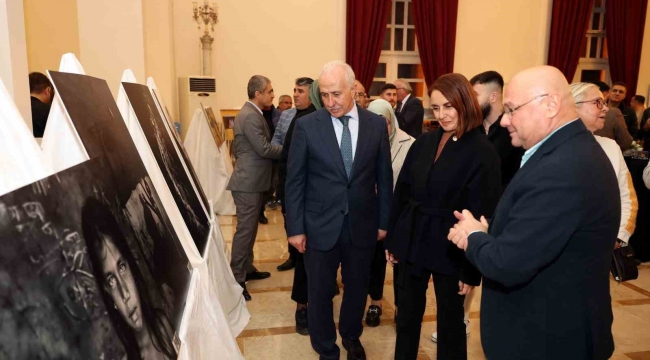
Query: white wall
[
  {"x": 502, "y": 35},
  {"x": 643, "y": 84},
  {"x": 281, "y": 40},
  {"x": 52, "y": 30},
  {"x": 111, "y": 39},
  {"x": 13, "y": 56},
  {"x": 159, "y": 50}
]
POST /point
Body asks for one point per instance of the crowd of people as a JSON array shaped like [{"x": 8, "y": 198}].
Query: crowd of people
[{"x": 514, "y": 190}]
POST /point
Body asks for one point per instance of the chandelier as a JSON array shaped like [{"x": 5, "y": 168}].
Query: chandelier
[{"x": 206, "y": 14}]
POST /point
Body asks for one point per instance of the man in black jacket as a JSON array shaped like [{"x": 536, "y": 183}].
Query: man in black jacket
[
  {"x": 42, "y": 93},
  {"x": 489, "y": 90},
  {"x": 299, "y": 290},
  {"x": 546, "y": 256},
  {"x": 409, "y": 109},
  {"x": 617, "y": 100}
]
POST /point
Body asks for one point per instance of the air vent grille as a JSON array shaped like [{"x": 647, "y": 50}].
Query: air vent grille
[{"x": 202, "y": 85}]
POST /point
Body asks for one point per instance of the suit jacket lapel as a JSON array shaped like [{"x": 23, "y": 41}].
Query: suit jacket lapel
[
  {"x": 363, "y": 138},
  {"x": 329, "y": 139}
]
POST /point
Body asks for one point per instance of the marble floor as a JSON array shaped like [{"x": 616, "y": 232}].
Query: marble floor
[{"x": 271, "y": 335}]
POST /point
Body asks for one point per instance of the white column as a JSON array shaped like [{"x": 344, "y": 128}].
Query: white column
[
  {"x": 13, "y": 56},
  {"x": 206, "y": 41}
]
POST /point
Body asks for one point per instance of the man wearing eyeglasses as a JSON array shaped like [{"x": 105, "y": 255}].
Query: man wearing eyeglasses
[
  {"x": 409, "y": 109},
  {"x": 617, "y": 100},
  {"x": 545, "y": 256},
  {"x": 360, "y": 96}
]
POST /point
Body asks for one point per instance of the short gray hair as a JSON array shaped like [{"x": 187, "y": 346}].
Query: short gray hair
[
  {"x": 257, "y": 83},
  {"x": 338, "y": 64},
  {"x": 579, "y": 90},
  {"x": 407, "y": 85}
]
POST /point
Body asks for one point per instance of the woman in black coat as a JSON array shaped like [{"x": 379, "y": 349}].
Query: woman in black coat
[{"x": 452, "y": 168}]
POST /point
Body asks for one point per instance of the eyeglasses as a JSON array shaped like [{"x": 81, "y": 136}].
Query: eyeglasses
[
  {"x": 508, "y": 111},
  {"x": 598, "y": 102},
  {"x": 360, "y": 94}
]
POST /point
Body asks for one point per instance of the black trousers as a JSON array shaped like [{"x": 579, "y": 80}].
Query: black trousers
[
  {"x": 452, "y": 341},
  {"x": 299, "y": 290},
  {"x": 378, "y": 273},
  {"x": 322, "y": 267}
]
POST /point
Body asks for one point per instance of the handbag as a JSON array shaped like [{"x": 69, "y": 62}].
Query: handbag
[{"x": 624, "y": 265}]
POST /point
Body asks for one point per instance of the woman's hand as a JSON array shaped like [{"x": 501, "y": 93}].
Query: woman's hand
[
  {"x": 391, "y": 259},
  {"x": 464, "y": 289}
]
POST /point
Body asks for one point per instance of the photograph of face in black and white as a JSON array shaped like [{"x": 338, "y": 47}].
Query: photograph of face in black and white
[
  {"x": 169, "y": 161},
  {"x": 102, "y": 130},
  {"x": 167, "y": 119},
  {"x": 86, "y": 275}
]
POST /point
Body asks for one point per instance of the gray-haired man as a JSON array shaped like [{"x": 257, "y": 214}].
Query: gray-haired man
[{"x": 252, "y": 176}]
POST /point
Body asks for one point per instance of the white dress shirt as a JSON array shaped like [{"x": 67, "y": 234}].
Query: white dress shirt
[
  {"x": 258, "y": 109},
  {"x": 353, "y": 124}
]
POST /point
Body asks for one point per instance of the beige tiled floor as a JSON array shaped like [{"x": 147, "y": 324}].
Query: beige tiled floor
[{"x": 270, "y": 333}]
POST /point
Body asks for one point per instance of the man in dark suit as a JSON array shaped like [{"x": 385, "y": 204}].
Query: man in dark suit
[
  {"x": 489, "y": 91},
  {"x": 547, "y": 253},
  {"x": 409, "y": 110},
  {"x": 251, "y": 177},
  {"x": 338, "y": 192}
]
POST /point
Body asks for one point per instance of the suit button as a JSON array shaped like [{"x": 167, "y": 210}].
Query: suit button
[
  {"x": 348, "y": 186},
  {"x": 342, "y": 212}
]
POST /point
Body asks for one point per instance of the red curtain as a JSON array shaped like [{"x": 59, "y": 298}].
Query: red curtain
[
  {"x": 435, "y": 29},
  {"x": 569, "y": 22},
  {"x": 366, "y": 24},
  {"x": 624, "y": 23}
]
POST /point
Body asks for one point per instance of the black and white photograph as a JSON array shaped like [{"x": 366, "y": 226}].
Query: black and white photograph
[
  {"x": 179, "y": 145},
  {"x": 181, "y": 185},
  {"x": 102, "y": 131},
  {"x": 86, "y": 274}
]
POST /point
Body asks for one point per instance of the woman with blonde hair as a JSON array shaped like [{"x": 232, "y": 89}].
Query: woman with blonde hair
[{"x": 591, "y": 108}]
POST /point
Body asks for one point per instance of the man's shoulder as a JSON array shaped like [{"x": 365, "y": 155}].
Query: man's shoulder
[
  {"x": 288, "y": 114},
  {"x": 414, "y": 101}
]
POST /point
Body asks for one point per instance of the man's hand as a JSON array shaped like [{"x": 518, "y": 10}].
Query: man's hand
[
  {"x": 381, "y": 234},
  {"x": 465, "y": 226},
  {"x": 468, "y": 223},
  {"x": 458, "y": 236},
  {"x": 299, "y": 242},
  {"x": 464, "y": 289},
  {"x": 391, "y": 259}
]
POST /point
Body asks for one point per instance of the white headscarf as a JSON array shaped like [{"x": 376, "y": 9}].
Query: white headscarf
[{"x": 383, "y": 108}]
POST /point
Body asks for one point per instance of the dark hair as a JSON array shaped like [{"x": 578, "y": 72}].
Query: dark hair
[
  {"x": 304, "y": 81},
  {"x": 38, "y": 82},
  {"x": 257, "y": 83},
  {"x": 620, "y": 83},
  {"x": 98, "y": 221},
  {"x": 601, "y": 86},
  {"x": 458, "y": 91},
  {"x": 488, "y": 77},
  {"x": 639, "y": 98},
  {"x": 388, "y": 86}
]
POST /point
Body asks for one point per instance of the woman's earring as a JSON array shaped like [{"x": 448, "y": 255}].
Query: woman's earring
[{"x": 454, "y": 138}]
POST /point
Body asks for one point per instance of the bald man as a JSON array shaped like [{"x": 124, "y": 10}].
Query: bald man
[
  {"x": 546, "y": 255},
  {"x": 360, "y": 95}
]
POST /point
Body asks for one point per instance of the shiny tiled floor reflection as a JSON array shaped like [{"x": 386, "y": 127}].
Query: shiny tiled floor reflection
[{"x": 270, "y": 333}]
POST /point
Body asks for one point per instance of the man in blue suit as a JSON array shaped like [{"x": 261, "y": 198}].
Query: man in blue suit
[
  {"x": 547, "y": 253},
  {"x": 338, "y": 193}
]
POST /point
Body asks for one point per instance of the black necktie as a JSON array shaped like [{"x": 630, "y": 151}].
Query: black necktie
[{"x": 398, "y": 108}]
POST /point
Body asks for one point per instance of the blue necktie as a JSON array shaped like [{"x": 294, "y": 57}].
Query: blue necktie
[{"x": 346, "y": 145}]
